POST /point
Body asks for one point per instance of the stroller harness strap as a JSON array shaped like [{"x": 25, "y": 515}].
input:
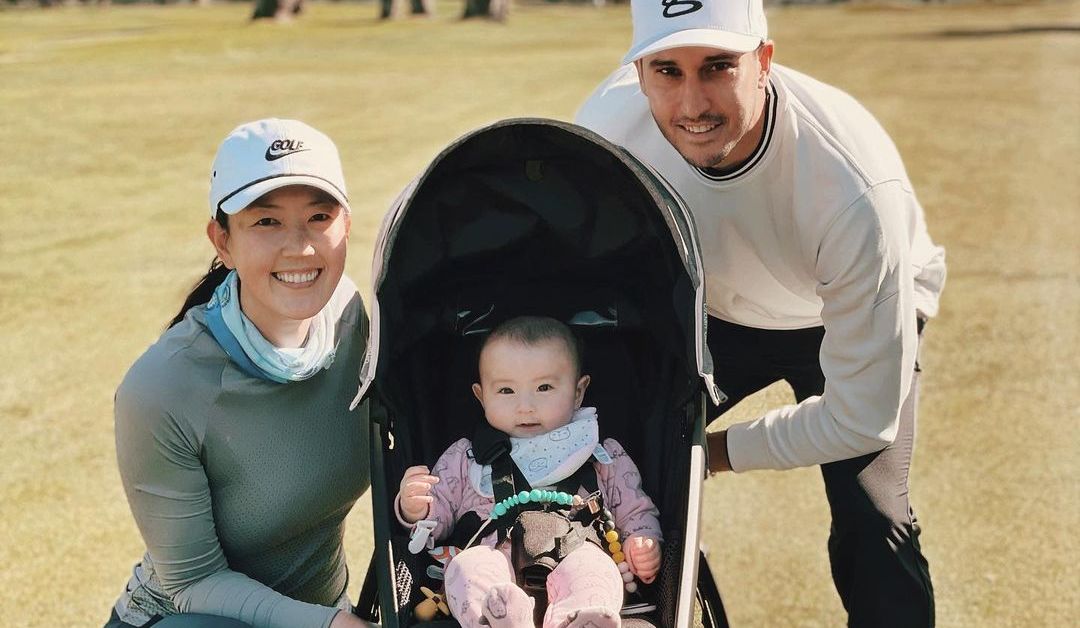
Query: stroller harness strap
[
  {"x": 542, "y": 531},
  {"x": 492, "y": 447}
]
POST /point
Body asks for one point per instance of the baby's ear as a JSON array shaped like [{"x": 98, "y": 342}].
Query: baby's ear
[
  {"x": 579, "y": 393},
  {"x": 478, "y": 392}
]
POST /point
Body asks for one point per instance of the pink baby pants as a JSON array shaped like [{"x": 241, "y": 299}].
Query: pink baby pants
[{"x": 586, "y": 583}]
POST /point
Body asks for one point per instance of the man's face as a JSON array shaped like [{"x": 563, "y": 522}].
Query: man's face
[{"x": 708, "y": 102}]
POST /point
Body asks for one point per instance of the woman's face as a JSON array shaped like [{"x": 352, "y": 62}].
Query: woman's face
[{"x": 288, "y": 247}]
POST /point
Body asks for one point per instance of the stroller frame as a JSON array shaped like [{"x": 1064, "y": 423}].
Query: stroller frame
[{"x": 427, "y": 321}]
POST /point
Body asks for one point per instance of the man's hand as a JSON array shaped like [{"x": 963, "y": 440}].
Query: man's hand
[
  {"x": 718, "y": 454},
  {"x": 643, "y": 556},
  {"x": 414, "y": 496}
]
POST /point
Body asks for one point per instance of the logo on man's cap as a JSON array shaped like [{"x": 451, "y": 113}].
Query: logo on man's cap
[
  {"x": 676, "y": 8},
  {"x": 284, "y": 148}
]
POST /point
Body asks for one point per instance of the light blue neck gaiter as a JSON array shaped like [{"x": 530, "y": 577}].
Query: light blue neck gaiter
[{"x": 254, "y": 354}]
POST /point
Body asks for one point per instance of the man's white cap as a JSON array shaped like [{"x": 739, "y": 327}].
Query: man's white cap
[
  {"x": 262, "y": 156},
  {"x": 735, "y": 25}
]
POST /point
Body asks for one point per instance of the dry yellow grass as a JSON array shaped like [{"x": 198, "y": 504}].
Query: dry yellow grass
[{"x": 110, "y": 118}]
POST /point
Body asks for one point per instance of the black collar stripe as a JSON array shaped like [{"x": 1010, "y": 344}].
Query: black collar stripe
[{"x": 762, "y": 147}]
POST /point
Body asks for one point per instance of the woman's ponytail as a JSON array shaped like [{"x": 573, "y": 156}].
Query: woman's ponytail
[{"x": 203, "y": 290}]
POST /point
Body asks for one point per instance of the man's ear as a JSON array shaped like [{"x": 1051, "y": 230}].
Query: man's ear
[
  {"x": 765, "y": 53},
  {"x": 478, "y": 392},
  {"x": 579, "y": 392},
  {"x": 219, "y": 237},
  {"x": 641, "y": 75}
]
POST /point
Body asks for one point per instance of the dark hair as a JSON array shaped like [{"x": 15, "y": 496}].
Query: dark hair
[
  {"x": 205, "y": 287},
  {"x": 530, "y": 330}
]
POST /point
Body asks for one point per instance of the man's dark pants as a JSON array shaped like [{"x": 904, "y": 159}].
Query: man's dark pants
[{"x": 877, "y": 566}]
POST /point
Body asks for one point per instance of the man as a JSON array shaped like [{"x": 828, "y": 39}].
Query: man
[{"x": 818, "y": 266}]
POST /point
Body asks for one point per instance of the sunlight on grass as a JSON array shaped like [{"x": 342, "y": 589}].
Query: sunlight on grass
[{"x": 111, "y": 118}]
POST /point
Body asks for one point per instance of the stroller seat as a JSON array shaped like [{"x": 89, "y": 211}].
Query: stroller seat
[{"x": 544, "y": 218}]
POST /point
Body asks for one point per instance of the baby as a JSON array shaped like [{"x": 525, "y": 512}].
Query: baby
[{"x": 531, "y": 388}]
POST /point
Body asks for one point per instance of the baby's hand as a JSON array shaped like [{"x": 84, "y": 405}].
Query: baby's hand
[
  {"x": 643, "y": 556},
  {"x": 414, "y": 497}
]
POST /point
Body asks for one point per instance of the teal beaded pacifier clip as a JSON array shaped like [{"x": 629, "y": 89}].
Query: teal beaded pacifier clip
[
  {"x": 611, "y": 535},
  {"x": 535, "y": 496}
]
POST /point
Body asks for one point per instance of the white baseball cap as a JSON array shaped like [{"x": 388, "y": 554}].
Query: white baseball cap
[
  {"x": 262, "y": 156},
  {"x": 735, "y": 25}
]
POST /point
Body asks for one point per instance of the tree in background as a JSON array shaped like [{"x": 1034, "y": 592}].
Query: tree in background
[
  {"x": 390, "y": 9},
  {"x": 491, "y": 9},
  {"x": 280, "y": 10}
]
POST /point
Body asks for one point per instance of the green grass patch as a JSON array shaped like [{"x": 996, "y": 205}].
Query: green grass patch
[{"x": 112, "y": 116}]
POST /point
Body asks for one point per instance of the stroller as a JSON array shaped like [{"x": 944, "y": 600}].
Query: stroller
[{"x": 532, "y": 216}]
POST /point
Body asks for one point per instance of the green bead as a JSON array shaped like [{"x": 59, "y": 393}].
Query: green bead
[
  {"x": 565, "y": 499},
  {"x": 524, "y": 497},
  {"x": 500, "y": 510},
  {"x": 535, "y": 495}
]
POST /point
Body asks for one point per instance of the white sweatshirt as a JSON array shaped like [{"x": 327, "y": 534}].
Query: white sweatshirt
[{"x": 819, "y": 227}]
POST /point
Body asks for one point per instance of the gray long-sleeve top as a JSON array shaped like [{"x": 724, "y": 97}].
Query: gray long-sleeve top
[{"x": 240, "y": 486}]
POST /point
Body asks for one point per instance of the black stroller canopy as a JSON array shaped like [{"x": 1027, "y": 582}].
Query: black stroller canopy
[
  {"x": 553, "y": 220},
  {"x": 543, "y": 218}
]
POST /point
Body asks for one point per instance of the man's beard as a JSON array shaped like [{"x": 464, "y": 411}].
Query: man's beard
[{"x": 711, "y": 160}]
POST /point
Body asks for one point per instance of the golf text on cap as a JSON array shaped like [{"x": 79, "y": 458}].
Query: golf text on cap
[
  {"x": 284, "y": 148},
  {"x": 675, "y": 8}
]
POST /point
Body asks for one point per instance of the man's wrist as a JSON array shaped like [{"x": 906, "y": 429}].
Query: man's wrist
[{"x": 718, "y": 452}]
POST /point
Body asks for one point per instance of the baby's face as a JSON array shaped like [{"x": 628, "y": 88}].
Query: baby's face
[{"x": 526, "y": 389}]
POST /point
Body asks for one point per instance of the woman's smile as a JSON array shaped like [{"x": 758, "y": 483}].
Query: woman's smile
[{"x": 299, "y": 279}]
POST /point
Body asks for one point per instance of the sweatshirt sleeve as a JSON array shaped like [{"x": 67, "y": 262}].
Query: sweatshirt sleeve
[
  {"x": 868, "y": 353},
  {"x": 634, "y": 511},
  {"x": 169, "y": 495},
  {"x": 450, "y": 495}
]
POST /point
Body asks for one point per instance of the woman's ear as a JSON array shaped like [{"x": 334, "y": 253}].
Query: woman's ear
[
  {"x": 219, "y": 237},
  {"x": 579, "y": 393}
]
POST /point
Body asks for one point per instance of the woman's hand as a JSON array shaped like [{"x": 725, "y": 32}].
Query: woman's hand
[
  {"x": 643, "y": 556},
  {"x": 414, "y": 496}
]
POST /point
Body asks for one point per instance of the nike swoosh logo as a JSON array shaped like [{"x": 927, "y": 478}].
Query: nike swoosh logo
[{"x": 270, "y": 156}]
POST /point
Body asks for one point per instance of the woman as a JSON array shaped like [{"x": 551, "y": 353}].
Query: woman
[{"x": 236, "y": 448}]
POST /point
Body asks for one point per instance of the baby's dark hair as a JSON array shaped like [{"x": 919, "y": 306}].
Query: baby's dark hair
[{"x": 530, "y": 330}]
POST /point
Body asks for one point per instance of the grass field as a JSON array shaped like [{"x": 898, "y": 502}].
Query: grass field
[{"x": 109, "y": 119}]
